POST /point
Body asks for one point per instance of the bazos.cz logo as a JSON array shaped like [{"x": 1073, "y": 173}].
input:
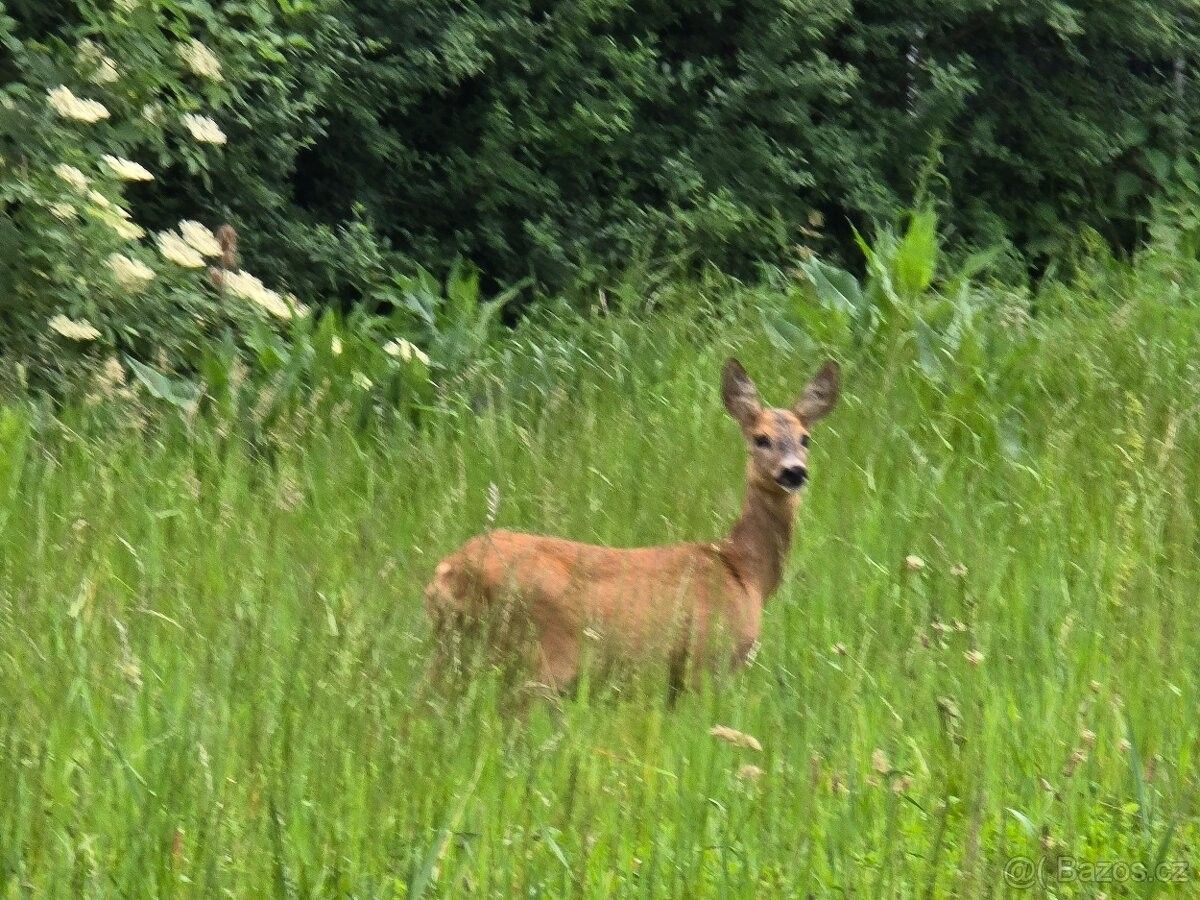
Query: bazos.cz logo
[{"x": 1047, "y": 871}]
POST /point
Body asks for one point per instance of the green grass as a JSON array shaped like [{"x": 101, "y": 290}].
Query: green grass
[{"x": 209, "y": 663}]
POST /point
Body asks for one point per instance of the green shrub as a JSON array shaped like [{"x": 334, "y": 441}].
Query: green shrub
[
  {"x": 573, "y": 142},
  {"x": 570, "y": 141},
  {"x": 84, "y": 129}
]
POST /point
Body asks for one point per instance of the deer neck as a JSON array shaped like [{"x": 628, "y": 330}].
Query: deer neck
[{"x": 757, "y": 547}]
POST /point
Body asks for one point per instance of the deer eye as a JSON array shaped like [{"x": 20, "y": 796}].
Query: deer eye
[
  {"x": 804, "y": 441},
  {"x": 762, "y": 441}
]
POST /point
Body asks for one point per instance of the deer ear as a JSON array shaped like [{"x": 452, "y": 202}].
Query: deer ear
[
  {"x": 739, "y": 393},
  {"x": 820, "y": 394}
]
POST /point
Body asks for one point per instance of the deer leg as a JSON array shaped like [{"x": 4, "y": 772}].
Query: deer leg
[
  {"x": 445, "y": 666},
  {"x": 744, "y": 651},
  {"x": 558, "y": 660},
  {"x": 676, "y": 677}
]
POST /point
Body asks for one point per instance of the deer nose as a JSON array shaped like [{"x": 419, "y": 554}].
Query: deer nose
[{"x": 792, "y": 477}]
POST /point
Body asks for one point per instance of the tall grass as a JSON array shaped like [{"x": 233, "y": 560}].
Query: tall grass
[{"x": 210, "y": 660}]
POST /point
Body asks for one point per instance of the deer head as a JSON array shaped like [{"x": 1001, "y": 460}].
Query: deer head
[{"x": 778, "y": 438}]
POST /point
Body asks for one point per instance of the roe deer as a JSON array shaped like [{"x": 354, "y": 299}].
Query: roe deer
[{"x": 693, "y": 605}]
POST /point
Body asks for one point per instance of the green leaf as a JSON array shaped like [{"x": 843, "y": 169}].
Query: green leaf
[
  {"x": 1025, "y": 823},
  {"x": 928, "y": 355},
  {"x": 835, "y": 288},
  {"x": 176, "y": 391},
  {"x": 1159, "y": 164},
  {"x": 915, "y": 261}
]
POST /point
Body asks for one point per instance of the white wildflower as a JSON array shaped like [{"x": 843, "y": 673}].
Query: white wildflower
[
  {"x": 64, "y": 212},
  {"x": 123, "y": 228},
  {"x": 105, "y": 73},
  {"x": 200, "y": 60},
  {"x": 130, "y": 273},
  {"x": 153, "y": 113},
  {"x": 115, "y": 217},
  {"x": 98, "y": 66},
  {"x": 246, "y": 286},
  {"x": 98, "y": 199},
  {"x": 71, "y": 176},
  {"x": 203, "y": 129},
  {"x": 202, "y": 240},
  {"x": 127, "y": 169},
  {"x": 405, "y": 350},
  {"x": 82, "y": 330},
  {"x": 113, "y": 373},
  {"x": 67, "y": 105},
  {"x": 298, "y": 308},
  {"x": 178, "y": 251},
  {"x": 335, "y": 345},
  {"x": 362, "y": 381}
]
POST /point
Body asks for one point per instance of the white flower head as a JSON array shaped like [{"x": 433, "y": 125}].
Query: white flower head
[
  {"x": 201, "y": 239},
  {"x": 200, "y": 60},
  {"x": 82, "y": 330},
  {"x": 405, "y": 350},
  {"x": 127, "y": 169},
  {"x": 98, "y": 199},
  {"x": 362, "y": 380},
  {"x": 130, "y": 273},
  {"x": 67, "y": 105},
  {"x": 98, "y": 66},
  {"x": 246, "y": 286},
  {"x": 72, "y": 176},
  {"x": 123, "y": 228},
  {"x": 178, "y": 251},
  {"x": 203, "y": 129},
  {"x": 335, "y": 345},
  {"x": 106, "y": 72},
  {"x": 299, "y": 309},
  {"x": 64, "y": 212},
  {"x": 115, "y": 217}
]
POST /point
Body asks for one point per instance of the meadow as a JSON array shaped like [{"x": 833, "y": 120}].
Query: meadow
[{"x": 982, "y": 661}]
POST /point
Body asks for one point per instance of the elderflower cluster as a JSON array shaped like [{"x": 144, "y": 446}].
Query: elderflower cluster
[
  {"x": 67, "y": 105},
  {"x": 131, "y": 274},
  {"x": 200, "y": 60},
  {"x": 72, "y": 176},
  {"x": 115, "y": 217},
  {"x": 177, "y": 250},
  {"x": 64, "y": 212},
  {"x": 200, "y": 238},
  {"x": 96, "y": 64},
  {"x": 405, "y": 350},
  {"x": 246, "y": 286},
  {"x": 82, "y": 330},
  {"x": 203, "y": 129},
  {"x": 127, "y": 169}
]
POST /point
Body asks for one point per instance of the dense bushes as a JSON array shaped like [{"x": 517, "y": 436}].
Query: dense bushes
[
  {"x": 569, "y": 140},
  {"x": 563, "y": 138},
  {"x": 107, "y": 131}
]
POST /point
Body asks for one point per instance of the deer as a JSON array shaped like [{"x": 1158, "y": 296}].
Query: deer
[{"x": 694, "y": 606}]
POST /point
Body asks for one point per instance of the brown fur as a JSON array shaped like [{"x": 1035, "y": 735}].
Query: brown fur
[{"x": 693, "y": 604}]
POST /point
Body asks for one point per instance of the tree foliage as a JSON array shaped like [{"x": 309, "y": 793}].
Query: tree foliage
[{"x": 564, "y": 140}]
